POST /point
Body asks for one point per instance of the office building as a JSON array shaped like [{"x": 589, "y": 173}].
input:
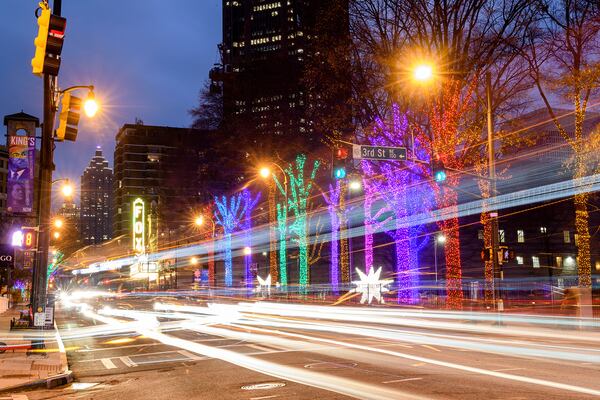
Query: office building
[
  {"x": 96, "y": 201},
  {"x": 266, "y": 50}
]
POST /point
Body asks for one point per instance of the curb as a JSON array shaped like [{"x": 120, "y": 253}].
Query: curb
[{"x": 50, "y": 382}]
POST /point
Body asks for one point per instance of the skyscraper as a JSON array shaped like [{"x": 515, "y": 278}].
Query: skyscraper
[
  {"x": 268, "y": 48},
  {"x": 96, "y": 197}
]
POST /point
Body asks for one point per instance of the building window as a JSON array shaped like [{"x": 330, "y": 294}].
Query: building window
[
  {"x": 501, "y": 236},
  {"x": 543, "y": 229},
  {"x": 597, "y": 265},
  {"x": 559, "y": 261},
  {"x": 520, "y": 260},
  {"x": 569, "y": 261},
  {"x": 567, "y": 236},
  {"x": 536, "y": 261},
  {"x": 480, "y": 234},
  {"x": 576, "y": 238},
  {"x": 521, "y": 236}
]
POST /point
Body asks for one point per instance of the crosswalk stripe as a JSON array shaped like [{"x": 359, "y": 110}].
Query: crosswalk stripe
[
  {"x": 127, "y": 361},
  {"x": 189, "y": 355},
  {"x": 108, "y": 364}
]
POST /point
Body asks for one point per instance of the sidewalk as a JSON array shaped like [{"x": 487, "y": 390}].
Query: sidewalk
[{"x": 22, "y": 367}]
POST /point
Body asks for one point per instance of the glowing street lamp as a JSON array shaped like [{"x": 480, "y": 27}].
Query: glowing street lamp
[
  {"x": 247, "y": 251},
  {"x": 91, "y": 105},
  {"x": 355, "y": 185},
  {"x": 56, "y": 235},
  {"x": 67, "y": 189},
  {"x": 199, "y": 220},
  {"x": 194, "y": 260},
  {"x": 265, "y": 172},
  {"x": 423, "y": 73},
  {"x": 58, "y": 223}
]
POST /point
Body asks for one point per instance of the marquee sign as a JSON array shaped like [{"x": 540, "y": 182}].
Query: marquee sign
[{"x": 139, "y": 230}]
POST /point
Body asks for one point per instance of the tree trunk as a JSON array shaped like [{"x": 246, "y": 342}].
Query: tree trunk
[
  {"x": 273, "y": 270},
  {"x": 228, "y": 261},
  {"x": 583, "y": 240}
]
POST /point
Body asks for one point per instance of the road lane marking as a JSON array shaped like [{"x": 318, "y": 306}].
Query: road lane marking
[
  {"x": 264, "y": 397},
  {"x": 108, "y": 364},
  {"x": 403, "y": 380},
  {"x": 419, "y": 364},
  {"x": 507, "y": 369},
  {"x": 140, "y": 345},
  {"x": 261, "y": 348},
  {"x": 189, "y": 355},
  {"x": 430, "y": 347},
  {"x": 127, "y": 361}
]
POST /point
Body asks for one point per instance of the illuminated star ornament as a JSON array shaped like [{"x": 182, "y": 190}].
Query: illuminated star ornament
[
  {"x": 370, "y": 286},
  {"x": 263, "y": 284}
]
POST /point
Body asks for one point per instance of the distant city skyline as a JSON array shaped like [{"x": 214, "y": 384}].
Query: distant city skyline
[{"x": 177, "y": 44}]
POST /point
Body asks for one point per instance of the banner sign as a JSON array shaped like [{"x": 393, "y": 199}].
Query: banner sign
[{"x": 21, "y": 168}]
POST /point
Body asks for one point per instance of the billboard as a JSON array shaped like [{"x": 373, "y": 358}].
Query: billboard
[{"x": 21, "y": 169}]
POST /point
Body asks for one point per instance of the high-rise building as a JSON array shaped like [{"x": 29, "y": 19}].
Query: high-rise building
[
  {"x": 266, "y": 50},
  {"x": 71, "y": 213},
  {"x": 96, "y": 201},
  {"x": 168, "y": 168}
]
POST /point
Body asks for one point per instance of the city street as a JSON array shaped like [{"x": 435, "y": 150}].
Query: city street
[{"x": 221, "y": 355}]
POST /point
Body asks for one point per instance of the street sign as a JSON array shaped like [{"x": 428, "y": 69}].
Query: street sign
[
  {"x": 39, "y": 319},
  {"x": 360, "y": 152}
]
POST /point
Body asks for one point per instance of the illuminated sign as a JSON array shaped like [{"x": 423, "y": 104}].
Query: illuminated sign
[{"x": 139, "y": 231}]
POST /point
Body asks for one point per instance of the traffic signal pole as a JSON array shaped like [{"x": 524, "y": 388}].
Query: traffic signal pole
[
  {"x": 493, "y": 214},
  {"x": 39, "y": 278}
]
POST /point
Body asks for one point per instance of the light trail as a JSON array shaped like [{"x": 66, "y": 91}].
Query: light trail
[{"x": 309, "y": 378}]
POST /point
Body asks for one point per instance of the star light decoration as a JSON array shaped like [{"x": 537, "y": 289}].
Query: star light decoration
[
  {"x": 370, "y": 286},
  {"x": 263, "y": 284}
]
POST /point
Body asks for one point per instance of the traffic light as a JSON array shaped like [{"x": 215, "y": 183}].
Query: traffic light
[
  {"x": 486, "y": 254},
  {"x": 68, "y": 118},
  {"x": 48, "y": 43},
  {"x": 438, "y": 170},
  {"x": 506, "y": 255},
  {"x": 340, "y": 163}
]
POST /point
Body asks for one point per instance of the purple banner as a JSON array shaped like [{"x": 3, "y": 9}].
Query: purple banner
[{"x": 21, "y": 164}]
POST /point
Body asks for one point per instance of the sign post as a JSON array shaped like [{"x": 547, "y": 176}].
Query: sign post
[{"x": 360, "y": 152}]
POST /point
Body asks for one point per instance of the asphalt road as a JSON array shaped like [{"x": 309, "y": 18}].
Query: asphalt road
[{"x": 259, "y": 354}]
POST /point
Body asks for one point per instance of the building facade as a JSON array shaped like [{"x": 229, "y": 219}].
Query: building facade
[
  {"x": 3, "y": 178},
  {"x": 267, "y": 50},
  {"x": 96, "y": 201},
  {"x": 167, "y": 168}
]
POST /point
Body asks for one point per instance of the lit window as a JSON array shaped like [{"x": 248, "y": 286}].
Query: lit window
[
  {"x": 536, "y": 261},
  {"x": 559, "y": 261},
  {"x": 520, "y": 260},
  {"x": 543, "y": 229},
  {"x": 597, "y": 265},
  {"x": 521, "y": 236},
  {"x": 501, "y": 236},
  {"x": 567, "y": 236},
  {"x": 480, "y": 234}
]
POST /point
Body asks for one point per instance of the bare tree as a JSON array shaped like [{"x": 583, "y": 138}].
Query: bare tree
[
  {"x": 208, "y": 114},
  {"x": 564, "y": 60}
]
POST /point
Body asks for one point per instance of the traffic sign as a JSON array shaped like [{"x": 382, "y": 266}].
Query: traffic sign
[{"x": 360, "y": 152}]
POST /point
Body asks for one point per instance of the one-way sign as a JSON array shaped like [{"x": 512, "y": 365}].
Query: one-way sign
[{"x": 360, "y": 152}]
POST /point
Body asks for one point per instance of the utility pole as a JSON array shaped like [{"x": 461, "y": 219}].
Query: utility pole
[
  {"x": 38, "y": 293},
  {"x": 493, "y": 214}
]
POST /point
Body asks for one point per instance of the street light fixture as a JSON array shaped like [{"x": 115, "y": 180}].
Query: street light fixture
[
  {"x": 355, "y": 185},
  {"x": 194, "y": 260},
  {"x": 91, "y": 105},
  {"x": 423, "y": 73},
  {"x": 58, "y": 223},
  {"x": 247, "y": 251}
]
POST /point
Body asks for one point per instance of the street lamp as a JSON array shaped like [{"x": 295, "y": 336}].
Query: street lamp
[
  {"x": 58, "y": 223},
  {"x": 355, "y": 185},
  {"x": 194, "y": 260},
  {"x": 423, "y": 73},
  {"x": 247, "y": 251},
  {"x": 265, "y": 172},
  {"x": 441, "y": 239}
]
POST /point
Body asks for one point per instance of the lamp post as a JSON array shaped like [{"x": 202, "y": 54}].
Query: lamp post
[
  {"x": 266, "y": 173},
  {"x": 441, "y": 239}
]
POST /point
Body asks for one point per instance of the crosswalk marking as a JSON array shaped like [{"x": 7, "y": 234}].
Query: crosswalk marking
[
  {"x": 127, "y": 361},
  {"x": 108, "y": 364},
  {"x": 189, "y": 355}
]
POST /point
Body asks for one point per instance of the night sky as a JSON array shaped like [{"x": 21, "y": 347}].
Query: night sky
[{"x": 148, "y": 59}]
